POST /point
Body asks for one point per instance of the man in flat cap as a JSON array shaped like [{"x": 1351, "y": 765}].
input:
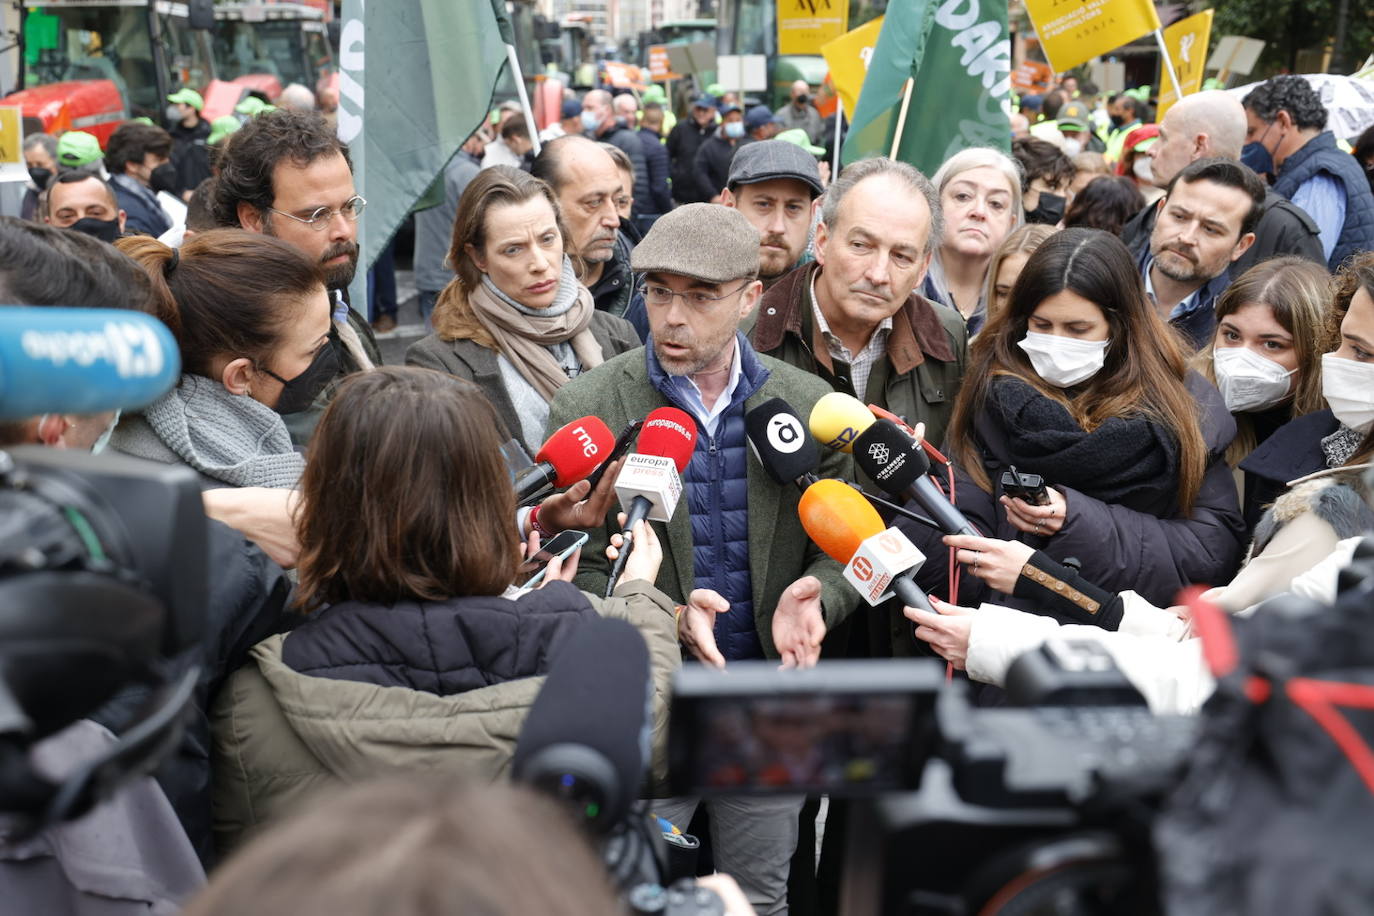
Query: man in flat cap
[
  {"x": 856, "y": 318},
  {"x": 774, "y": 184},
  {"x": 749, "y": 582}
]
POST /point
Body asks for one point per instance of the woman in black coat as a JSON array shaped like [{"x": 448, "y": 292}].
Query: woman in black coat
[{"x": 1081, "y": 382}]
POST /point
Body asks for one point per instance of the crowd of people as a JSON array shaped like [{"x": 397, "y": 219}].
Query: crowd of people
[{"x": 1171, "y": 323}]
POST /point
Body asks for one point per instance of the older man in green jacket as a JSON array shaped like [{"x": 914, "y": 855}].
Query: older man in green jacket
[{"x": 750, "y": 582}]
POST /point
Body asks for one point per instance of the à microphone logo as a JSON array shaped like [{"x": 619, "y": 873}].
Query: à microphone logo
[{"x": 785, "y": 433}]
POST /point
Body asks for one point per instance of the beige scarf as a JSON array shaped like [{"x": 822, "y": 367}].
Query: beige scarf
[{"x": 524, "y": 339}]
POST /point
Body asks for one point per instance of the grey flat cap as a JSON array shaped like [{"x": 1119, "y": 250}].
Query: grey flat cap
[
  {"x": 765, "y": 160},
  {"x": 706, "y": 242}
]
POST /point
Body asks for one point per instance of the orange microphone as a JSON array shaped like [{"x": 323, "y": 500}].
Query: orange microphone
[{"x": 878, "y": 561}]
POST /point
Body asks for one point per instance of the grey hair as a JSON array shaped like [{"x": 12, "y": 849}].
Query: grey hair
[
  {"x": 47, "y": 141},
  {"x": 976, "y": 157},
  {"x": 298, "y": 97},
  {"x": 622, "y": 161},
  {"x": 881, "y": 165}
]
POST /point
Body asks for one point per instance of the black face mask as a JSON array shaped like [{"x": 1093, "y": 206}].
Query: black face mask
[
  {"x": 164, "y": 178},
  {"x": 300, "y": 392},
  {"x": 802, "y": 100},
  {"x": 107, "y": 230},
  {"x": 1049, "y": 211},
  {"x": 40, "y": 177}
]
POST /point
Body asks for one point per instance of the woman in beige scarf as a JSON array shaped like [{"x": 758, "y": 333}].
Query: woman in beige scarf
[{"x": 516, "y": 321}]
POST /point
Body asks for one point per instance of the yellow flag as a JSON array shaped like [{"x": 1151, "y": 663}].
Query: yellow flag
[
  {"x": 848, "y": 57},
  {"x": 805, "y": 25},
  {"x": 1187, "y": 42},
  {"x": 1072, "y": 32},
  {"x": 12, "y": 166}
]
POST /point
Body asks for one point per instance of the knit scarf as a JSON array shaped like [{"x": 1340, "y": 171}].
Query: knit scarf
[
  {"x": 229, "y": 437},
  {"x": 523, "y": 335},
  {"x": 1128, "y": 461},
  {"x": 1340, "y": 446}
]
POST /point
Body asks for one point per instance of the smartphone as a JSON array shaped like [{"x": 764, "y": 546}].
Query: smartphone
[
  {"x": 622, "y": 445},
  {"x": 1029, "y": 488},
  {"x": 561, "y": 546}
]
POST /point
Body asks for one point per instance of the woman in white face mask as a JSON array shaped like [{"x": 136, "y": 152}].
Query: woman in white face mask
[
  {"x": 1265, "y": 356},
  {"x": 1338, "y": 437},
  {"x": 1080, "y": 382}
]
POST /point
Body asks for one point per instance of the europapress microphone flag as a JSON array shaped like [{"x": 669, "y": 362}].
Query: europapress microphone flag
[
  {"x": 958, "y": 57},
  {"x": 416, "y": 79}
]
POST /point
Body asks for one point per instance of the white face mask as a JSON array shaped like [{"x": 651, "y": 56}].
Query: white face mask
[
  {"x": 1064, "y": 361},
  {"x": 1073, "y": 148},
  {"x": 1348, "y": 387},
  {"x": 1249, "y": 382},
  {"x": 1142, "y": 169}
]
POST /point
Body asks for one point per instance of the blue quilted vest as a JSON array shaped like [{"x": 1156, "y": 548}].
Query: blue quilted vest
[
  {"x": 717, "y": 491},
  {"x": 1320, "y": 154}
]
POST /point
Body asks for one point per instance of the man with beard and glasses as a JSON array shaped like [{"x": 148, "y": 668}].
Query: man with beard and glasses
[
  {"x": 774, "y": 184},
  {"x": 735, "y": 557},
  {"x": 286, "y": 174},
  {"x": 1206, "y": 221}
]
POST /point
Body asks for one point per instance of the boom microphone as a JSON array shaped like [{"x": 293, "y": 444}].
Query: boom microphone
[
  {"x": 67, "y": 360},
  {"x": 838, "y": 419},
  {"x": 781, "y": 443},
  {"x": 586, "y": 739},
  {"x": 878, "y": 562},
  {"x": 898, "y": 464},
  {"x": 567, "y": 456},
  {"x": 650, "y": 482}
]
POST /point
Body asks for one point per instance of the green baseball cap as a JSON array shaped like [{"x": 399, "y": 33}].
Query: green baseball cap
[
  {"x": 187, "y": 97},
  {"x": 76, "y": 148},
  {"x": 1073, "y": 116},
  {"x": 222, "y": 127},
  {"x": 655, "y": 93},
  {"x": 253, "y": 106},
  {"x": 799, "y": 137}
]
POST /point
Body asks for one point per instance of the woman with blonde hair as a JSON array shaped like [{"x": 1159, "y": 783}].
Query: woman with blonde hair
[
  {"x": 1265, "y": 356},
  {"x": 516, "y": 321},
  {"x": 980, "y": 196},
  {"x": 1007, "y": 262}
]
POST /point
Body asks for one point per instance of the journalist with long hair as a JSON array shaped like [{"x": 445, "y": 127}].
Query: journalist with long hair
[
  {"x": 413, "y": 657},
  {"x": 1078, "y": 380}
]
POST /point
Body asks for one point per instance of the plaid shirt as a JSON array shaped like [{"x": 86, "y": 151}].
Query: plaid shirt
[{"x": 860, "y": 364}]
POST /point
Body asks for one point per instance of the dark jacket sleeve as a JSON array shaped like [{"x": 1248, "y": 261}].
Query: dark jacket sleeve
[
  {"x": 1286, "y": 229},
  {"x": 1123, "y": 549},
  {"x": 629, "y": 143},
  {"x": 701, "y": 170},
  {"x": 656, "y": 156}
]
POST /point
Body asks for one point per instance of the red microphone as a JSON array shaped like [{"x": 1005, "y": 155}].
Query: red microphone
[
  {"x": 650, "y": 483},
  {"x": 877, "y": 561},
  {"x": 569, "y": 455}
]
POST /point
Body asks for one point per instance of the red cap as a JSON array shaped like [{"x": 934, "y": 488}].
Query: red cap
[
  {"x": 837, "y": 518},
  {"x": 669, "y": 433},
  {"x": 575, "y": 450}
]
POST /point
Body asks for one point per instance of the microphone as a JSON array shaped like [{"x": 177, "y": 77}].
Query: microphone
[
  {"x": 76, "y": 360},
  {"x": 898, "y": 464},
  {"x": 567, "y": 456},
  {"x": 650, "y": 481},
  {"x": 781, "y": 443},
  {"x": 587, "y": 736},
  {"x": 878, "y": 562},
  {"x": 838, "y": 419}
]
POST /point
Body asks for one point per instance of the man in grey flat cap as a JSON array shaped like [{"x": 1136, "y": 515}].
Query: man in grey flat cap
[
  {"x": 774, "y": 184},
  {"x": 749, "y": 582}
]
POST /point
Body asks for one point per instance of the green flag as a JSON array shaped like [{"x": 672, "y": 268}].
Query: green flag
[
  {"x": 431, "y": 67},
  {"x": 958, "y": 55}
]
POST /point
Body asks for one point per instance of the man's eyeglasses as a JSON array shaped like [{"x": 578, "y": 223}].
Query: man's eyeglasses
[
  {"x": 662, "y": 295},
  {"x": 322, "y": 217}
]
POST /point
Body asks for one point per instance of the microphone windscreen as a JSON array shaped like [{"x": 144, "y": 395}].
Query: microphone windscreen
[
  {"x": 575, "y": 449},
  {"x": 781, "y": 441},
  {"x": 838, "y": 419},
  {"x": 75, "y": 360},
  {"x": 668, "y": 433},
  {"x": 837, "y": 518},
  {"x": 587, "y": 734},
  {"x": 890, "y": 457}
]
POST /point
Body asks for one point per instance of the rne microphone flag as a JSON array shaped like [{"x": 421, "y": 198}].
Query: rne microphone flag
[{"x": 570, "y": 454}]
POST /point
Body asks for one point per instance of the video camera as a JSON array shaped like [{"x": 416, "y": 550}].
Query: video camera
[
  {"x": 957, "y": 809},
  {"x": 103, "y": 560}
]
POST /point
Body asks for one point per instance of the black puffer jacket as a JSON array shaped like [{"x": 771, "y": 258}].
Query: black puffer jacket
[{"x": 1148, "y": 549}]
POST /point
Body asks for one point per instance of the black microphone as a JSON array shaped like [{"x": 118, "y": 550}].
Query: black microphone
[
  {"x": 781, "y": 442},
  {"x": 586, "y": 739},
  {"x": 898, "y": 464}
]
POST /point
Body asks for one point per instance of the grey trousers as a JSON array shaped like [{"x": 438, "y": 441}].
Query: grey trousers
[{"x": 752, "y": 840}]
